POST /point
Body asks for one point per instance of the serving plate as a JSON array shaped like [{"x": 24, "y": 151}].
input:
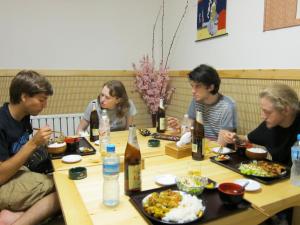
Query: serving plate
[
  {"x": 251, "y": 186},
  {"x": 165, "y": 179},
  {"x": 256, "y": 167},
  {"x": 236, "y": 160},
  {"x": 145, "y": 199},
  {"x": 223, "y": 150},
  {"x": 222, "y": 157}
]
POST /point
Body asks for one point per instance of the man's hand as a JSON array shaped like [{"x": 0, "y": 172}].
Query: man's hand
[
  {"x": 226, "y": 137},
  {"x": 42, "y": 136}
]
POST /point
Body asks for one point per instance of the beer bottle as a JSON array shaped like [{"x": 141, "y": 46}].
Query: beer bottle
[
  {"x": 198, "y": 138},
  {"x": 94, "y": 124},
  {"x": 132, "y": 164},
  {"x": 161, "y": 117}
]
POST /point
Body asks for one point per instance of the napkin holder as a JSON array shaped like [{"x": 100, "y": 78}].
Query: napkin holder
[{"x": 172, "y": 150}]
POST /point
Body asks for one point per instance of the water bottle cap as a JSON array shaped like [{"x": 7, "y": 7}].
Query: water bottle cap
[
  {"x": 298, "y": 137},
  {"x": 110, "y": 148}
]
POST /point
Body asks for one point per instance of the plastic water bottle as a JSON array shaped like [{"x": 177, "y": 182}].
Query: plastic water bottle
[
  {"x": 295, "y": 170},
  {"x": 111, "y": 166},
  {"x": 104, "y": 130},
  {"x": 185, "y": 124}
]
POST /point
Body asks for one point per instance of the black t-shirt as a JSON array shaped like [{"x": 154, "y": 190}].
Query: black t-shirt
[
  {"x": 277, "y": 140},
  {"x": 13, "y": 134}
]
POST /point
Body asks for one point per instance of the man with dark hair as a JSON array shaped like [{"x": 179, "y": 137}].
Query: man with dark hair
[
  {"x": 26, "y": 197},
  {"x": 218, "y": 111}
]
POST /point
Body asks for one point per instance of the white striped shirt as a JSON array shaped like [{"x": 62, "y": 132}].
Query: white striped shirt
[{"x": 221, "y": 115}]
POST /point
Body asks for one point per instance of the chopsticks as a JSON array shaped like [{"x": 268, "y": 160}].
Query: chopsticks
[
  {"x": 53, "y": 131},
  {"x": 262, "y": 211}
]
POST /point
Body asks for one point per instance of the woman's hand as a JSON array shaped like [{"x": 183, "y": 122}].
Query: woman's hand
[{"x": 173, "y": 123}]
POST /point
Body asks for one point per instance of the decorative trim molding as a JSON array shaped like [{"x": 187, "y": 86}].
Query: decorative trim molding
[{"x": 266, "y": 74}]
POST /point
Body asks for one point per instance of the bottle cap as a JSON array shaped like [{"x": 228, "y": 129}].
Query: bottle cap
[{"x": 110, "y": 148}]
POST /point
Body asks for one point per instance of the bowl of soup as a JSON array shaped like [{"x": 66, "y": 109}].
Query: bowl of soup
[{"x": 231, "y": 193}]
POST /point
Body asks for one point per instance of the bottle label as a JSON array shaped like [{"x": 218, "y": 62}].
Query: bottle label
[
  {"x": 295, "y": 153},
  {"x": 134, "y": 176},
  {"x": 162, "y": 123},
  {"x": 194, "y": 148},
  {"x": 111, "y": 169},
  {"x": 95, "y": 132}
]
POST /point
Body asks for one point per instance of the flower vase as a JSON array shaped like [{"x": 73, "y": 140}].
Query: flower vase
[{"x": 153, "y": 116}]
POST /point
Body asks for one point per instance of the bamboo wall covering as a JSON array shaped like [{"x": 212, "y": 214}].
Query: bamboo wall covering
[{"x": 74, "y": 89}]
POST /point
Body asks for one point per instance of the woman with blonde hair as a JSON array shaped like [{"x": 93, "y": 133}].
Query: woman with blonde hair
[{"x": 114, "y": 99}]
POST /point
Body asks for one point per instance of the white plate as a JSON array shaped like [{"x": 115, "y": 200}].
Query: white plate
[
  {"x": 252, "y": 186},
  {"x": 96, "y": 142},
  {"x": 165, "y": 179},
  {"x": 71, "y": 158},
  {"x": 224, "y": 150}
]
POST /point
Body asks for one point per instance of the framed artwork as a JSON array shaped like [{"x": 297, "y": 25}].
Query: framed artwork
[
  {"x": 211, "y": 19},
  {"x": 281, "y": 14}
]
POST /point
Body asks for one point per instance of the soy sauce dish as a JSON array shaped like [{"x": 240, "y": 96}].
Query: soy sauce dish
[{"x": 231, "y": 193}]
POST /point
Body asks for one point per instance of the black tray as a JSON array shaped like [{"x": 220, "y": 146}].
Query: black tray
[
  {"x": 235, "y": 160},
  {"x": 82, "y": 143},
  {"x": 214, "y": 208}
]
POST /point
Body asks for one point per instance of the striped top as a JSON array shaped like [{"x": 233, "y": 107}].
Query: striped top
[{"x": 221, "y": 115}]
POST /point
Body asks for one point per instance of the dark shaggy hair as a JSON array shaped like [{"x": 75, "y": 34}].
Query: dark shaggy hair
[
  {"x": 28, "y": 82},
  {"x": 206, "y": 75}
]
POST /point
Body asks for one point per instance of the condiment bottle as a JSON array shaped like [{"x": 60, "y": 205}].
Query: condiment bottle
[
  {"x": 94, "y": 124},
  {"x": 132, "y": 164},
  {"x": 104, "y": 131},
  {"x": 185, "y": 124},
  {"x": 198, "y": 138},
  {"x": 161, "y": 117}
]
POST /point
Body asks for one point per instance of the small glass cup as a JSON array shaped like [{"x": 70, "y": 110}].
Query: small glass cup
[{"x": 194, "y": 168}]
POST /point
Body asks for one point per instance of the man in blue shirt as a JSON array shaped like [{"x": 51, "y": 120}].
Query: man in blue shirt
[{"x": 26, "y": 197}]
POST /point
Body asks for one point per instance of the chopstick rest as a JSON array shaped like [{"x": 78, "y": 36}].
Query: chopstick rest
[{"x": 77, "y": 173}]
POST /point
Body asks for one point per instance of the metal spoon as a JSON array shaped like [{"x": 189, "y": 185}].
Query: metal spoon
[{"x": 245, "y": 184}]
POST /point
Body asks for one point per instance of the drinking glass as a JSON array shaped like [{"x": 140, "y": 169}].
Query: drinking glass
[{"x": 194, "y": 168}]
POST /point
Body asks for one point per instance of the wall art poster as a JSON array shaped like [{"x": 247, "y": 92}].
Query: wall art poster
[
  {"x": 281, "y": 14},
  {"x": 211, "y": 19}
]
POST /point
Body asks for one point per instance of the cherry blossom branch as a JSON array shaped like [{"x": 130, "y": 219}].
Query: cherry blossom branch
[
  {"x": 183, "y": 15},
  {"x": 162, "y": 31},
  {"x": 153, "y": 33}
]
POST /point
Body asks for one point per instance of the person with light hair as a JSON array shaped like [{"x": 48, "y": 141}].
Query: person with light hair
[
  {"x": 280, "y": 111},
  {"x": 113, "y": 97}
]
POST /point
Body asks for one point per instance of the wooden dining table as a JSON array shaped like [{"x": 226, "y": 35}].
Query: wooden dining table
[
  {"x": 119, "y": 139},
  {"x": 81, "y": 200}
]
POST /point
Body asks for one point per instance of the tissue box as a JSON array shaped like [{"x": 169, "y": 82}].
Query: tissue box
[{"x": 178, "y": 152}]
